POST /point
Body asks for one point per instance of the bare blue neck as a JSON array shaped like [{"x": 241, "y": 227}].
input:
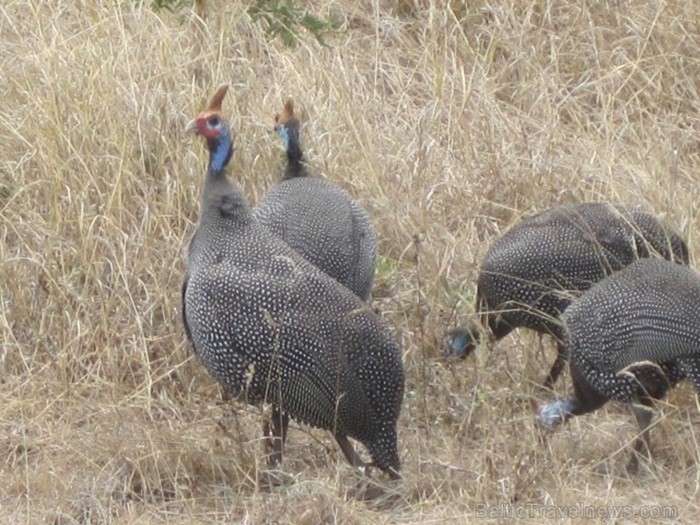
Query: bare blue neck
[
  {"x": 220, "y": 150},
  {"x": 291, "y": 137}
]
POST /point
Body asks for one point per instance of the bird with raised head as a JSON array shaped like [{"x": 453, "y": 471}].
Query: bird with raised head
[{"x": 317, "y": 218}]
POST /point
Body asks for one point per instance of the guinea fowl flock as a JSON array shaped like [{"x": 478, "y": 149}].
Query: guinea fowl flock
[
  {"x": 274, "y": 302},
  {"x": 273, "y": 328}
]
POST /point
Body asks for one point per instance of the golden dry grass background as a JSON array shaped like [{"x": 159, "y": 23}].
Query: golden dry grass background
[{"x": 448, "y": 121}]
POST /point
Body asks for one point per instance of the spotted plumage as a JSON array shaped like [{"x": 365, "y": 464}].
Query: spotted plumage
[
  {"x": 531, "y": 274},
  {"x": 317, "y": 218},
  {"x": 272, "y": 328},
  {"x": 631, "y": 337}
]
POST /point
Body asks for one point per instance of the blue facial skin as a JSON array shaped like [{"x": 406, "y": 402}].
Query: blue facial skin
[
  {"x": 223, "y": 149},
  {"x": 457, "y": 347},
  {"x": 283, "y": 132},
  {"x": 554, "y": 414}
]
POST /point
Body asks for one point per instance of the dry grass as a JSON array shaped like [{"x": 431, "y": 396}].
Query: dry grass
[{"x": 448, "y": 124}]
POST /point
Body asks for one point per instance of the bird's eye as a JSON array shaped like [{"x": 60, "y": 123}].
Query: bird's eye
[{"x": 213, "y": 121}]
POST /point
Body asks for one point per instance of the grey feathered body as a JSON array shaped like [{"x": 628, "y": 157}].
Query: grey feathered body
[
  {"x": 644, "y": 320},
  {"x": 323, "y": 224},
  {"x": 532, "y": 273},
  {"x": 271, "y": 327},
  {"x": 631, "y": 337}
]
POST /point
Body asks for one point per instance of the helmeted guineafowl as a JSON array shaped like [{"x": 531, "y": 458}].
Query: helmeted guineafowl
[
  {"x": 531, "y": 274},
  {"x": 631, "y": 337},
  {"x": 272, "y": 328},
  {"x": 317, "y": 218}
]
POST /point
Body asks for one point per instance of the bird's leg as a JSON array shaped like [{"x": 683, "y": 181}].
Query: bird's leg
[
  {"x": 557, "y": 367},
  {"x": 642, "y": 445},
  {"x": 351, "y": 455},
  {"x": 275, "y": 437}
]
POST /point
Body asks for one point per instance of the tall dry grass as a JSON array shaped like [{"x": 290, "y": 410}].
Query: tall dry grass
[{"x": 448, "y": 120}]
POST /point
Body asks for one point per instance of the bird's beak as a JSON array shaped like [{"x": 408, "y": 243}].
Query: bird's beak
[{"x": 192, "y": 126}]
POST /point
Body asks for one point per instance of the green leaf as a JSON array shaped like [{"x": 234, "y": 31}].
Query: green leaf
[{"x": 287, "y": 21}]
